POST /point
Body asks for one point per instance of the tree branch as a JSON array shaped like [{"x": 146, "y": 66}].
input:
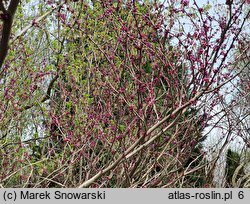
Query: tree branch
[
  {"x": 7, "y": 25},
  {"x": 45, "y": 97},
  {"x": 2, "y": 8},
  {"x": 7, "y": 18},
  {"x": 37, "y": 20}
]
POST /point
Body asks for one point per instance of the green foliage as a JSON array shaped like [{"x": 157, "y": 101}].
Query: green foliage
[
  {"x": 233, "y": 160},
  {"x": 147, "y": 67}
]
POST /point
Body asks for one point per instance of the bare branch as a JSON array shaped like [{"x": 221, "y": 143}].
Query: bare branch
[
  {"x": 6, "y": 31},
  {"x": 37, "y": 20}
]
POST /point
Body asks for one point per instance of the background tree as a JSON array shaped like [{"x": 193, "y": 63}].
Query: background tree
[{"x": 236, "y": 172}]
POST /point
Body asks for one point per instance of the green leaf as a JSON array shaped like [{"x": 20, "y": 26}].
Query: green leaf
[
  {"x": 207, "y": 7},
  {"x": 68, "y": 104},
  {"x": 147, "y": 67},
  {"x": 90, "y": 100},
  {"x": 121, "y": 127}
]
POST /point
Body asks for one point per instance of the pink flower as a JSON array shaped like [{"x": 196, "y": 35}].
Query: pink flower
[
  {"x": 167, "y": 138},
  {"x": 185, "y": 2},
  {"x": 132, "y": 107},
  {"x": 215, "y": 70},
  {"x": 206, "y": 185},
  {"x": 34, "y": 22},
  {"x": 50, "y": 2},
  {"x": 201, "y": 10},
  {"x": 206, "y": 79},
  {"x": 67, "y": 139}
]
